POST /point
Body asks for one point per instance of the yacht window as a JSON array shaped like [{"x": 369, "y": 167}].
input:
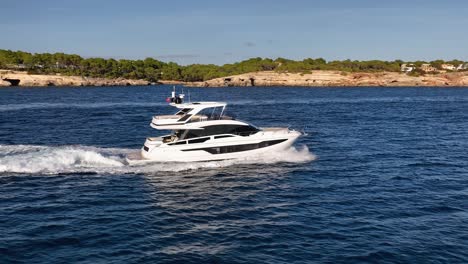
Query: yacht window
[
  {"x": 239, "y": 148},
  {"x": 198, "y": 140},
  {"x": 228, "y": 129},
  {"x": 213, "y": 113},
  {"x": 223, "y": 136},
  {"x": 243, "y": 130},
  {"x": 185, "y": 117},
  {"x": 184, "y": 111},
  {"x": 178, "y": 143}
]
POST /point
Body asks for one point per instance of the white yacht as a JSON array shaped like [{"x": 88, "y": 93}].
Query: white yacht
[{"x": 202, "y": 132}]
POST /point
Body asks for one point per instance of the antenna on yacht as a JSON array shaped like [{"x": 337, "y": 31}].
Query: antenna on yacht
[
  {"x": 175, "y": 99},
  {"x": 179, "y": 99},
  {"x": 182, "y": 95}
]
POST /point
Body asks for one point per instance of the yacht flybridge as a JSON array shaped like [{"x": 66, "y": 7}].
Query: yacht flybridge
[{"x": 202, "y": 132}]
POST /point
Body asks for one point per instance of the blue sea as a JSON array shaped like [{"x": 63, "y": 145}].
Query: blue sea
[{"x": 380, "y": 177}]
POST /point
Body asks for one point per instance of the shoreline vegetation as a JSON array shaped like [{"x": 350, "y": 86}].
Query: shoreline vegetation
[{"x": 18, "y": 68}]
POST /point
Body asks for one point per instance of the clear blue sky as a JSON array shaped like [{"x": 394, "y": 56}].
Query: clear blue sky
[{"x": 217, "y": 31}]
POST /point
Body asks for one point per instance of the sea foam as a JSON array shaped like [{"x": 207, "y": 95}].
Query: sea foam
[{"x": 31, "y": 159}]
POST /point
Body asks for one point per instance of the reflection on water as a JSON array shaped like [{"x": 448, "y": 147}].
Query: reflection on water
[{"x": 222, "y": 204}]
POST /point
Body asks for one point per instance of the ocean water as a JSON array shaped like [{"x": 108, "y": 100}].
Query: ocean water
[{"x": 381, "y": 177}]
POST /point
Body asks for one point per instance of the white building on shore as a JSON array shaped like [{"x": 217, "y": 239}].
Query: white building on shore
[
  {"x": 449, "y": 67},
  {"x": 428, "y": 68},
  {"x": 407, "y": 67}
]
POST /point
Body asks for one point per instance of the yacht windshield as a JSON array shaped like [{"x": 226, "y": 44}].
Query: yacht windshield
[
  {"x": 241, "y": 130},
  {"x": 212, "y": 113}
]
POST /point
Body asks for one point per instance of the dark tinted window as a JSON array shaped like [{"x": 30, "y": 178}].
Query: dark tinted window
[
  {"x": 184, "y": 111},
  {"x": 185, "y": 117},
  {"x": 178, "y": 143},
  {"x": 223, "y": 136},
  {"x": 239, "y": 148},
  {"x": 198, "y": 140},
  {"x": 222, "y": 129},
  {"x": 244, "y": 130}
]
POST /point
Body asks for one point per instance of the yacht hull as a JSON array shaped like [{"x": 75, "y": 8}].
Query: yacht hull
[{"x": 253, "y": 146}]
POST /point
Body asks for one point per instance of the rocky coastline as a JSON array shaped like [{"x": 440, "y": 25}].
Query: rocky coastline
[
  {"x": 336, "y": 78},
  {"x": 18, "y": 78},
  {"x": 263, "y": 78}
]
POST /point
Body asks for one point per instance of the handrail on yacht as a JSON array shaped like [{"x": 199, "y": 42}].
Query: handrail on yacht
[{"x": 202, "y": 118}]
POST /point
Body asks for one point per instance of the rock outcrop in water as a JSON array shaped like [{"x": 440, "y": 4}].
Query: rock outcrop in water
[
  {"x": 16, "y": 78},
  {"x": 336, "y": 78}
]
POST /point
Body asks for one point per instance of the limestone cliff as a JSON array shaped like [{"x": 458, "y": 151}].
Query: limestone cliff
[
  {"x": 16, "y": 78},
  {"x": 264, "y": 78},
  {"x": 336, "y": 78}
]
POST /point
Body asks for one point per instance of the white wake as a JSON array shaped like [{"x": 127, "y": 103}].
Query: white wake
[{"x": 30, "y": 159}]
